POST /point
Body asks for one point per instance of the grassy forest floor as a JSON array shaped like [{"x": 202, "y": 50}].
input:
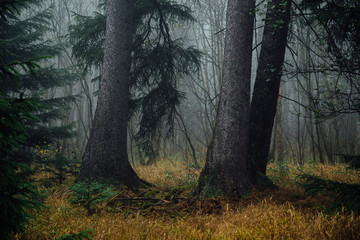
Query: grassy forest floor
[{"x": 168, "y": 211}]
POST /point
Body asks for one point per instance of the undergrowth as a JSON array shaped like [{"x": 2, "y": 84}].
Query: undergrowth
[{"x": 168, "y": 211}]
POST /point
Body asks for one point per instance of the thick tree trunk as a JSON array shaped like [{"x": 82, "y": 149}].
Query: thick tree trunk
[
  {"x": 227, "y": 170},
  {"x": 266, "y": 89},
  {"x": 105, "y": 157}
]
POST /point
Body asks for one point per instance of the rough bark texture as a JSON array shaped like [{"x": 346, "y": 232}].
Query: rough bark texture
[
  {"x": 266, "y": 89},
  {"x": 227, "y": 170},
  {"x": 105, "y": 157}
]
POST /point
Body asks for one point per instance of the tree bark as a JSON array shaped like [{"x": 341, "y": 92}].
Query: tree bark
[
  {"x": 106, "y": 157},
  {"x": 267, "y": 83},
  {"x": 227, "y": 170}
]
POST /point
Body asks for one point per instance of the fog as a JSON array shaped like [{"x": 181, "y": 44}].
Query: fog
[{"x": 305, "y": 129}]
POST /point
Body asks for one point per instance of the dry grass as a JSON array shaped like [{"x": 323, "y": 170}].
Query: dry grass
[
  {"x": 282, "y": 214},
  {"x": 166, "y": 174}
]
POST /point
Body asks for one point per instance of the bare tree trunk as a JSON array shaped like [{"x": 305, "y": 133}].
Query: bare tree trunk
[
  {"x": 277, "y": 148},
  {"x": 153, "y": 153},
  {"x": 267, "y": 83},
  {"x": 186, "y": 133},
  {"x": 227, "y": 169},
  {"x": 105, "y": 157},
  {"x": 318, "y": 134}
]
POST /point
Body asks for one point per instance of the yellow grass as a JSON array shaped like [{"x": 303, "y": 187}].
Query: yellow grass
[{"x": 280, "y": 214}]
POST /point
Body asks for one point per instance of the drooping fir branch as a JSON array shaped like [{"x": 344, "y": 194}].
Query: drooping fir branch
[
  {"x": 9, "y": 8},
  {"x": 88, "y": 38}
]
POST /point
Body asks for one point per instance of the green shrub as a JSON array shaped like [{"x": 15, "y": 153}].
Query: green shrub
[
  {"x": 52, "y": 160},
  {"x": 90, "y": 194},
  {"x": 279, "y": 173},
  {"x": 77, "y": 236}
]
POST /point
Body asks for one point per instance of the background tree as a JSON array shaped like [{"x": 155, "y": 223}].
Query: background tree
[
  {"x": 318, "y": 88},
  {"x": 337, "y": 24},
  {"x": 203, "y": 89}
]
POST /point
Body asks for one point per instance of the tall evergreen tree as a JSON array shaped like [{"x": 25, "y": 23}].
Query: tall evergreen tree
[
  {"x": 106, "y": 156},
  {"x": 22, "y": 116},
  {"x": 16, "y": 194},
  {"x": 24, "y": 39},
  {"x": 157, "y": 62},
  {"x": 227, "y": 170},
  {"x": 237, "y": 157}
]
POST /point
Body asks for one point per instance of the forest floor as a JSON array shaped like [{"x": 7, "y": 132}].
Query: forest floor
[{"x": 168, "y": 211}]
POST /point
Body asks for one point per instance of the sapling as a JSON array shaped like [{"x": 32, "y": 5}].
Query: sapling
[{"x": 90, "y": 194}]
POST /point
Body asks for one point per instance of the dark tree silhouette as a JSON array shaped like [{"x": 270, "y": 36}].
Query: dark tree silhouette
[{"x": 267, "y": 83}]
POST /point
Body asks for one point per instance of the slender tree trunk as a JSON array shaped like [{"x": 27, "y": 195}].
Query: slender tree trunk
[
  {"x": 105, "y": 157},
  {"x": 299, "y": 139},
  {"x": 186, "y": 133},
  {"x": 277, "y": 149},
  {"x": 318, "y": 134},
  {"x": 153, "y": 153},
  {"x": 267, "y": 83},
  {"x": 227, "y": 170}
]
